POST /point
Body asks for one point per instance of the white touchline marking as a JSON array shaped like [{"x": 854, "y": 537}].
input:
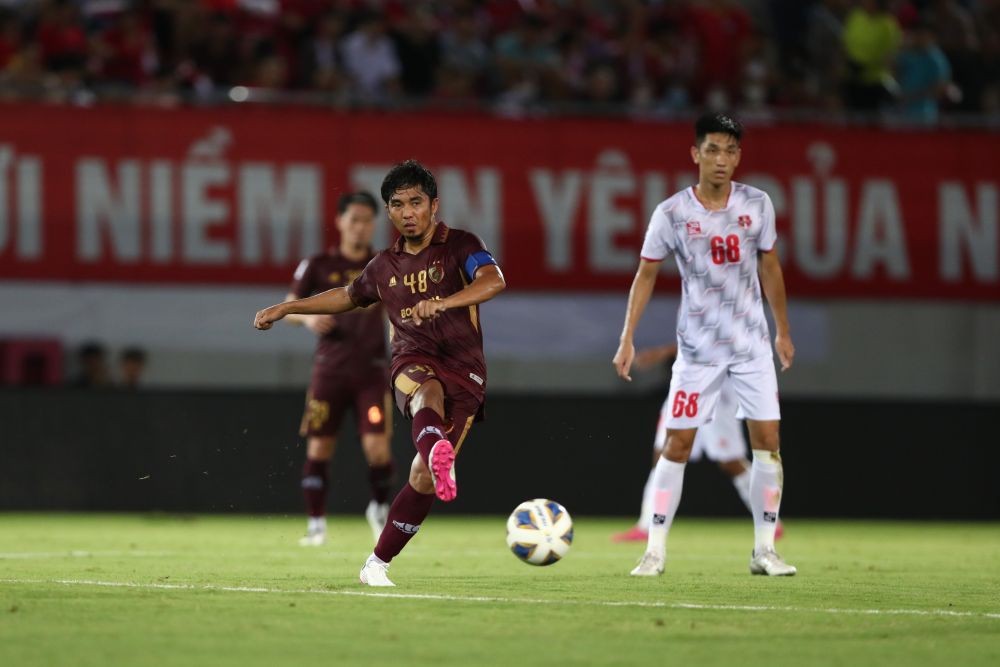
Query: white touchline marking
[
  {"x": 505, "y": 600},
  {"x": 76, "y": 553}
]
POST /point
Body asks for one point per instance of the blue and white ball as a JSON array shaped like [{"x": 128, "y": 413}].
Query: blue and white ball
[{"x": 539, "y": 531}]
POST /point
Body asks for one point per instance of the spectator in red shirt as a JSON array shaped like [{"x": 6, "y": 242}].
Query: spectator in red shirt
[
  {"x": 721, "y": 28},
  {"x": 61, "y": 37},
  {"x": 129, "y": 55}
]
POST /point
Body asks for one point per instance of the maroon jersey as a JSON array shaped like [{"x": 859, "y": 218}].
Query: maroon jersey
[
  {"x": 357, "y": 343},
  {"x": 400, "y": 280}
]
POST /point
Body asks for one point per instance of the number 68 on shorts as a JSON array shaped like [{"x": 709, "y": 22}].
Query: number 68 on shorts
[{"x": 695, "y": 388}]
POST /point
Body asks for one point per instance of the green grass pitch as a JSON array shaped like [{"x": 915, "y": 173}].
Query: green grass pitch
[{"x": 161, "y": 590}]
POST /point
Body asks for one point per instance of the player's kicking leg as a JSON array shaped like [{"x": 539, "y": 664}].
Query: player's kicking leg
[
  {"x": 413, "y": 503},
  {"x": 315, "y": 487},
  {"x": 668, "y": 482}
]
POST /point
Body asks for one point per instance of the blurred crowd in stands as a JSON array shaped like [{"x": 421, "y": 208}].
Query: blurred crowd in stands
[{"x": 912, "y": 59}]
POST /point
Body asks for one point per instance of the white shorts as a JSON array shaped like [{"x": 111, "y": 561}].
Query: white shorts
[
  {"x": 695, "y": 389},
  {"x": 720, "y": 440}
]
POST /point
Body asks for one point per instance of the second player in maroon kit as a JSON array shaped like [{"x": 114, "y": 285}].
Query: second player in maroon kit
[
  {"x": 350, "y": 370},
  {"x": 430, "y": 283}
]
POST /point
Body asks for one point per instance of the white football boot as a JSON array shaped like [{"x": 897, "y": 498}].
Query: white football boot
[
  {"x": 650, "y": 565},
  {"x": 767, "y": 561},
  {"x": 377, "y": 514},
  {"x": 314, "y": 538},
  {"x": 375, "y": 573},
  {"x": 315, "y": 532}
]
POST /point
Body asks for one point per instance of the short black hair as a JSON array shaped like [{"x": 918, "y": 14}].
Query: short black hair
[
  {"x": 409, "y": 174},
  {"x": 362, "y": 197},
  {"x": 717, "y": 123}
]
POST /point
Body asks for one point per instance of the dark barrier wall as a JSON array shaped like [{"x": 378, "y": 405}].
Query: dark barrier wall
[{"x": 229, "y": 452}]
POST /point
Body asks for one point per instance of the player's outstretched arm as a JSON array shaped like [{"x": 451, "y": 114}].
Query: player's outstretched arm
[
  {"x": 318, "y": 324},
  {"x": 329, "y": 302},
  {"x": 638, "y": 297},
  {"x": 487, "y": 284},
  {"x": 773, "y": 283}
]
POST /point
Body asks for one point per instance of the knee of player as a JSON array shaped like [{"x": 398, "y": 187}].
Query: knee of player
[
  {"x": 320, "y": 448},
  {"x": 677, "y": 449},
  {"x": 767, "y": 441},
  {"x": 376, "y": 449},
  {"x": 429, "y": 395}
]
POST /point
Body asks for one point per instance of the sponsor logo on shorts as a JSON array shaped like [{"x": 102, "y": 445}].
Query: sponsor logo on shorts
[
  {"x": 659, "y": 519},
  {"x": 319, "y": 413},
  {"x": 771, "y": 517},
  {"x": 478, "y": 380},
  {"x": 408, "y": 528},
  {"x": 431, "y": 429}
]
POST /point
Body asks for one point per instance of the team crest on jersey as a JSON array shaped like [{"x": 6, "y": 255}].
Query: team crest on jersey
[
  {"x": 744, "y": 221},
  {"x": 392, "y": 281},
  {"x": 694, "y": 228},
  {"x": 435, "y": 273}
]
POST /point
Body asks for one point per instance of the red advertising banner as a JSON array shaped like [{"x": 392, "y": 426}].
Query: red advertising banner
[{"x": 237, "y": 195}]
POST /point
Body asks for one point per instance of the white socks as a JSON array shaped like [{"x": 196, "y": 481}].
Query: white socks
[
  {"x": 742, "y": 484},
  {"x": 646, "y": 513},
  {"x": 668, "y": 481},
  {"x": 317, "y": 524},
  {"x": 766, "y": 480}
]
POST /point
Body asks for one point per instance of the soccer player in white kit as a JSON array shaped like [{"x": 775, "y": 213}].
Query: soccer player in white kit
[{"x": 722, "y": 235}]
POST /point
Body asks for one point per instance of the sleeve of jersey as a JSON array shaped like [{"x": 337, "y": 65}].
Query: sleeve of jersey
[
  {"x": 363, "y": 290},
  {"x": 768, "y": 231},
  {"x": 302, "y": 280},
  {"x": 659, "y": 237},
  {"x": 476, "y": 257}
]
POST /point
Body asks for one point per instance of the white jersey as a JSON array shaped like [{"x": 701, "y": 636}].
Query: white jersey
[{"x": 721, "y": 318}]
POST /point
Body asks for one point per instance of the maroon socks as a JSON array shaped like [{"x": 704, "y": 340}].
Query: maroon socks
[
  {"x": 380, "y": 479},
  {"x": 428, "y": 428},
  {"x": 315, "y": 483},
  {"x": 408, "y": 511},
  {"x": 410, "y": 508}
]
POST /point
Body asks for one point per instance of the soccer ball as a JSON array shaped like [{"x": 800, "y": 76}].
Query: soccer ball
[{"x": 539, "y": 531}]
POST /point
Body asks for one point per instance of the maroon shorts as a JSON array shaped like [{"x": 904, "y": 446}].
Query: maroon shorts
[
  {"x": 461, "y": 406},
  {"x": 330, "y": 396}
]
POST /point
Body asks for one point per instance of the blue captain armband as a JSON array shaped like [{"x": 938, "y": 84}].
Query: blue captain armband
[{"x": 477, "y": 260}]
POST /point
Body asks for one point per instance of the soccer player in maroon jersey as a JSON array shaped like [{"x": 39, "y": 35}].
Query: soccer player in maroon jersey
[
  {"x": 431, "y": 282},
  {"x": 349, "y": 370}
]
